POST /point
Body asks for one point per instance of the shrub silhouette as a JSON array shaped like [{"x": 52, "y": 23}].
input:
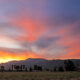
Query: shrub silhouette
[
  {"x": 30, "y": 69},
  {"x": 37, "y": 68}
]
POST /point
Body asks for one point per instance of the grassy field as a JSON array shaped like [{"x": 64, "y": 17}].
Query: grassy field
[{"x": 40, "y": 76}]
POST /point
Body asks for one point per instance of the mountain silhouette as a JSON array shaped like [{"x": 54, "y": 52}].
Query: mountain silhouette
[{"x": 46, "y": 64}]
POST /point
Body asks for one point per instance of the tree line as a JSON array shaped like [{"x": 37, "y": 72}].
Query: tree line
[
  {"x": 68, "y": 66},
  {"x": 21, "y": 68}
]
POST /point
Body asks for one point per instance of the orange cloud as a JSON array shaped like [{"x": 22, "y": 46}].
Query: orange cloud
[
  {"x": 7, "y": 56},
  {"x": 72, "y": 42},
  {"x": 33, "y": 28}
]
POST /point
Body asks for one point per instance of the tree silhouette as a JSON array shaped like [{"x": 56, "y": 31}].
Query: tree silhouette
[
  {"x": 2, "y": 68},
  {"x": 30, "y": 69},
  {"x": 55, "y": 69},
  {"x": 9, "y": 70},
  {"x": 37, "y": 68},
  {"x": 60, "y": 69},
  {"x": 12, "y": 67},
  {"x": 26, "y": 69},
  {"x": 69, "y": 65},
  {"x": 22, "y": 67},
  {"x": 17, "y": 67}
]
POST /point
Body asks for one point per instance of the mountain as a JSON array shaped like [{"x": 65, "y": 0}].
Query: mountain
[{"x": 41, "y": 62}]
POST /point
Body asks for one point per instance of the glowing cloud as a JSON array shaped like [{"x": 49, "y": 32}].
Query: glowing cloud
[{"x": 39, "y": 28}]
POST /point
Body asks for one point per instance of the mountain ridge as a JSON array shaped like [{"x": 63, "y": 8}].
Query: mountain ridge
[
  {"x": 38, "y": 59},
  {"x": 41, "y": 62}
]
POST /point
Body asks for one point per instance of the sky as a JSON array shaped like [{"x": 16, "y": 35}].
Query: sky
[{"x": 47, "y": 29}]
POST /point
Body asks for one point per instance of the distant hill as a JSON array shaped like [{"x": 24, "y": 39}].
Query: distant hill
[{"x": 41, "y": 62}]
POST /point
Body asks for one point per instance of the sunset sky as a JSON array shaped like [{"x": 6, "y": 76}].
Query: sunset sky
[{"x": 47, "y": 29}]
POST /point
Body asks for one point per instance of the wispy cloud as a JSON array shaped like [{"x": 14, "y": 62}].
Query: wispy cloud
[{"x": 49, "y": 29}]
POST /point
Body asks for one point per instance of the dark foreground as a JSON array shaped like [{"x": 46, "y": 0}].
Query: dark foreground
[{"x": 39, "y": 75}]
